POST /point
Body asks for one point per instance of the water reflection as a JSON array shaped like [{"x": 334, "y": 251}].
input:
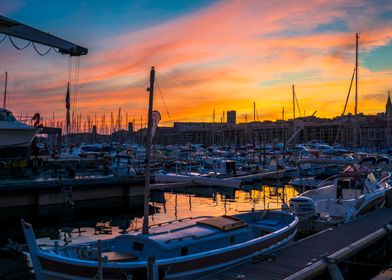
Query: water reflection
[
  {"x": 208, "y": 201},
  {"x": 106, "y": 218}
]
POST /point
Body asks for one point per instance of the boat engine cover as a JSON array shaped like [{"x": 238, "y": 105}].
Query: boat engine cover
[{"x": 302, "y": 206}]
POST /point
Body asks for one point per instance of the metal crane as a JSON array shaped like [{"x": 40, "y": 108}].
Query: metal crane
[{"x": 16, "y": 29}]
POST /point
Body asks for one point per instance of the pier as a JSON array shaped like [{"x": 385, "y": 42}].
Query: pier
[
  {"x": 16, "y": 193},
  {"x": 320, "y": 254}
]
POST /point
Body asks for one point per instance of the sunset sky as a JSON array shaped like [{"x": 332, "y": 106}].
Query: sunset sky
[{"x": 221, "y": 55}]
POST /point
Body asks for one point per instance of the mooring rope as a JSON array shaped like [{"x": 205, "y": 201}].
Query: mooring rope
[{"x": 41, "y": 54}]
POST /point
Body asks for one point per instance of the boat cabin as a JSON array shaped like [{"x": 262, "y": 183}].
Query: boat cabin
[{"x": 6, "y": 116}]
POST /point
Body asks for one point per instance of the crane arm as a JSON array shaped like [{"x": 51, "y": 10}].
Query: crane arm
[{"x": 16, "y": 29}]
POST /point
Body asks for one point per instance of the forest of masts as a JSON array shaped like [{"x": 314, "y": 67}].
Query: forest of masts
[{"x": 105, "y": 124}]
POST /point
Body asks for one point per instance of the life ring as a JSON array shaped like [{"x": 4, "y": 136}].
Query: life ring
[
  {"x": 36, "y": 119},
  {"x": 87, "y": 253}
]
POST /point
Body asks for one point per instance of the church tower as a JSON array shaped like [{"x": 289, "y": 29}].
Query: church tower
[{"x": 388, "y": 107}]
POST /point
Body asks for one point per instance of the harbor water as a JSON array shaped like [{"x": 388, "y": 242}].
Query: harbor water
[{"x": 101, "y": 219}]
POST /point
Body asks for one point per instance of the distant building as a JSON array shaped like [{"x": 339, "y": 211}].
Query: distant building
[
  {"x": 388, "y": 107},
  {"x": 231, "y": 117},
  {"x": 130, "y": 127}
]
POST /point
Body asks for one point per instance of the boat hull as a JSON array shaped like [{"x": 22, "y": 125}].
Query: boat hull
[
  {"x": 16, "y": 142},
  {"x": 189, "y": 269}
]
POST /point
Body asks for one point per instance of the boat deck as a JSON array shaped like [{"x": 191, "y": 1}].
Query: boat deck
[{"x": 294, "y": 258}]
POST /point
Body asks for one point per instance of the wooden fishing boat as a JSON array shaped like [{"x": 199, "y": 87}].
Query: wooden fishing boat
[{"x": 182, "y": 249}]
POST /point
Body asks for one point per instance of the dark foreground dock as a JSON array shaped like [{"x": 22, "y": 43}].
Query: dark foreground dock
[
  {"x": 315, "y": 255},
  {"x": 16, "y": 193}
]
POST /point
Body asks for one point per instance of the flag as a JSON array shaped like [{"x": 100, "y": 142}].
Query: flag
[
  {"x": 156, "y": 117},
  {"x": 67, "y": 99},
  {"x": 68, "y": 106}
]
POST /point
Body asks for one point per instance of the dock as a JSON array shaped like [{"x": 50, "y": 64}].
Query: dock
[
  {"x": 53, "y": 191},
  {"x": 317, "y": 254}
]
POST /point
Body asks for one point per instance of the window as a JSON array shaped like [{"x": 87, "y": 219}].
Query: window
[
  {"x": 7, "y": 116},
  {"x": 138, "y": 246},
  {"x": 184, "y": 251}
]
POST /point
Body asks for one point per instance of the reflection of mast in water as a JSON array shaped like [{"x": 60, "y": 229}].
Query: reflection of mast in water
[
  {"x": 263, "y": 188},
  {"x": 253, "y": 200},
  {"x": 164, "y": 206},
  {"x": 175, "y": 206},
  {"x": 190, "y": 202},
  {"x": 225, "y": 204}
]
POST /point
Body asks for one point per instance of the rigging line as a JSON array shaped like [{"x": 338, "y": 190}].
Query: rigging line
[
  {"x": 75, "y": 92},
  {"x": 5, "y": 36},
  {"x": 76, "y": 82},
  {"x": 16, "y": 46},
  {"x": 69, "y": 68},
  {"x": 296, "y": 99},
  {"x": 41, "y": 54},
  {"x": 164, "y": 103}
]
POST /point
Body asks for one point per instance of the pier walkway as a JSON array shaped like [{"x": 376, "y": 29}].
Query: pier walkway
[{"x": 308, "y": 257}]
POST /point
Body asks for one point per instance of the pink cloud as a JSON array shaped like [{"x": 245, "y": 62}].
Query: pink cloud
[{"x": 225, "y": 56}]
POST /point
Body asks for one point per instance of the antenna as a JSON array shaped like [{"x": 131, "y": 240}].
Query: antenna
[
  {"x": 5, "y": 90},
  {"x": 254, "y": 111}
]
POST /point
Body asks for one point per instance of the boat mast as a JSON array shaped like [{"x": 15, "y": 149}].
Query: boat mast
[
  {"x": 293, "y": 113},
  {"x": 356, "y": 92},
  {"x": 148, "y": 152},
  {"x": 254, "y": 111},
  {"x": 356, "y": 73},
  {"x": 5, "y": 90}
]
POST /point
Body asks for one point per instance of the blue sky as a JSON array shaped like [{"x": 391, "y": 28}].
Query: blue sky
[{"x": 219, "y": 54}]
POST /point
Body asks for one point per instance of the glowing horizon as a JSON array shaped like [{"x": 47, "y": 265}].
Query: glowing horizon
[{"x": 221, "y": 55}]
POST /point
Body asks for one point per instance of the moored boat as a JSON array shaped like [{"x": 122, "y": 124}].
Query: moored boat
[
  {"x": 182, "y": 249},
  {"x": 15, "y": 137},
  {"x": 342, "y": 199}
]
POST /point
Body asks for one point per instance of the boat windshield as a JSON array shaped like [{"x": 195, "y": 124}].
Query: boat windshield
[{"x": 7, "y": 116}]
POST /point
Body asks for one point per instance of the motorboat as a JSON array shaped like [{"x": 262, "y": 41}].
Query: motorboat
[
  {"x": 182, "y": 249},
  {"x": 309, "y": 182},
  {"x": 15, "y": 137},
  {"x": 342, "y": 198}
]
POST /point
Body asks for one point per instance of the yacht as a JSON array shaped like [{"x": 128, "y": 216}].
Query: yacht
[
  {"x": 15, "y": 136},
  {"x": 343, "y": 198}
]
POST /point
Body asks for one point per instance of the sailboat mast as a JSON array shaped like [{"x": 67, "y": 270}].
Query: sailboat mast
[
  {"x": 148, "y": 151},
  {"x": 356, "y": 73},
  {"x": 293, "y": 112},
  {"x": 254, "y": 111},
  {"x": 5, "y": 90}
]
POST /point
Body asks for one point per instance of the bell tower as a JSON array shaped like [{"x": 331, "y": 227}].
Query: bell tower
[{"x": 388, "y": 107}]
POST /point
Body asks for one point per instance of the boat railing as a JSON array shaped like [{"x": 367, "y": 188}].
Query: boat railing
[
  {"x": 273, "y": 202},
  {"x": 324, "y": 182},
  {"x": 173, "y": 222},
  {"x": 382, "y": 180},
  {"x": 181, "y": 238}
]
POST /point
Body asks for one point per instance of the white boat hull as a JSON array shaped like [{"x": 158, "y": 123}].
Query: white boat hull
[
  {"x": 19, "y": 137},
  {"x": 16, "y": 142}
]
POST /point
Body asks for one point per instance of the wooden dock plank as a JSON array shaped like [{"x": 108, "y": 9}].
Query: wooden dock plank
[{"x": 299, "y": 255}]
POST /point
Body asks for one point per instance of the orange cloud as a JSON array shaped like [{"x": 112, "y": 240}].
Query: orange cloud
[{"x": 224, "y": 57}]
